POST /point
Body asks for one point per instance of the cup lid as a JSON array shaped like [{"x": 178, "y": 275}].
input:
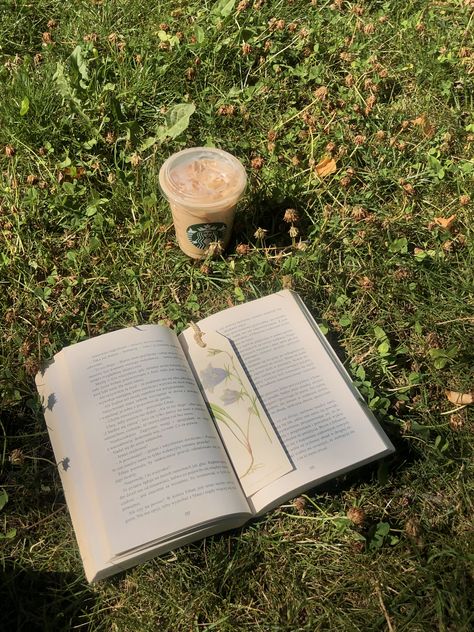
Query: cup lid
[{"x": 203, "y": 177}]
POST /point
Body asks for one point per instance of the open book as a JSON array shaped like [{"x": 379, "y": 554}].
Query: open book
[{"x": 163, "y": 439}]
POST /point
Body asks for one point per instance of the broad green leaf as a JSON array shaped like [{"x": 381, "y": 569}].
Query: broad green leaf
[
  {"x": 64, "y": 87},
  {"x": 384, "y": 347},
  {"x": 147, "y": 143},
  {"x": 177, "y": 121},
  {"x": 199, "y": 34},
  {"x": 25, "y": 106},
  {"x": 399, "y": 245},
  {"x": 224, "y": 8},
  {"x": 239, "y": 295},
  {"x": 80, "y": 64},
  {"x": 345, "y": 320},
  {"x": 11, "y": 533}
]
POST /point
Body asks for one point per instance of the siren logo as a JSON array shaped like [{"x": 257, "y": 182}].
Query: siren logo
[{"x": 202, "y": 235}]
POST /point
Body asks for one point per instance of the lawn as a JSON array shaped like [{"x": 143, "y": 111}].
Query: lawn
[{"x": 358, "y": 116}]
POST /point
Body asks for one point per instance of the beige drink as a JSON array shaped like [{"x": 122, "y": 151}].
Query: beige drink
[{"x": 202, "y": 186}]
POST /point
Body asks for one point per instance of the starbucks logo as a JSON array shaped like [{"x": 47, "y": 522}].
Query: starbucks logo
[{"x": 202, "y": 235}]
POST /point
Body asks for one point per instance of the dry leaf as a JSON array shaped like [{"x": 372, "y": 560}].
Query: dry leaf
[
  {"x": 460, "y": 399},
  {"x": 426, "y": 127},
  {"x": 445, "y": 222},
  {"x": 325, "y": 167}
]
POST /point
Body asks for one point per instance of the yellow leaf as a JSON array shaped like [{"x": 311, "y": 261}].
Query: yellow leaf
[
  {"x": 460, "y": 399},
  {"x": 326, "y": 166},
  {"x": 445, "y": 222}
]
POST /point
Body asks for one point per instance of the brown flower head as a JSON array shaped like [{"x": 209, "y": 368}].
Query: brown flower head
[
  {"x": 457, "y": 421},
  {"x": 9, "y": 151},
  {"x": 17, "y": 457},
  {"x": 135, "y": 159},
  {"x": 110, "y": 138},
  {"x": 300, "y": 504},
  {"x": 246, "y": 49},
  {"x": 47, "y": 39},
  {"x": 464, "y": 200},
  {"x": 214, "y": 249},
  {"x": 349, "y": 80},
  {"x": 242, "y": 249},
  {"x": 226, "y": 110},
  {"x": 205, "y": 269},
  {"x": 360, "y": 139},
  {"x": 356, "y": 515},
  {"x": 345, "y": 182},
  {"x": 257, "y": 163},
  {"x": 260, "y": 233},
  {"x": 321, "y": 93},
  {"x": 291, "y": 216},
  {"x": 358, "y": 213}
]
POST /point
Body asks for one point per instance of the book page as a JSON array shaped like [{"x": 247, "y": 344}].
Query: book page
[
  {"x": 60, "y": 422},
  {"x": 324, "y": 426},
  {"x": 153, "y": 455},
  {"x": 253, "y": 445}
]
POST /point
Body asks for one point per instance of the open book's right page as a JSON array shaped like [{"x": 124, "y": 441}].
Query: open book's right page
[{"x": 322, "y": 421}]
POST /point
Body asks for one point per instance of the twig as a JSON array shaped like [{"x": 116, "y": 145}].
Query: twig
[
  {"x": 383, "y": 608},
  {"x": 31, "y": 526}
]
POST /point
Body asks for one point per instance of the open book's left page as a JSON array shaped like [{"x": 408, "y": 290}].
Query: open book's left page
[{"x": 153, "y": 461}]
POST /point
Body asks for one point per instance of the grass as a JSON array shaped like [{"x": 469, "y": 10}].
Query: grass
[{"x": 87, "y": 245}]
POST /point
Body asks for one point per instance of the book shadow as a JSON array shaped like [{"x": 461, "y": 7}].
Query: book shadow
[{"x": 43, "y": 601}]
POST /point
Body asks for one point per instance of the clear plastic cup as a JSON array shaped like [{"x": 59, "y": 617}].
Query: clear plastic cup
[{"x": 202, "y": 186}]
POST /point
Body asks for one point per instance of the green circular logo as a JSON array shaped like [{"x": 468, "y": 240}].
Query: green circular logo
[{"x": 202, "y": 235}]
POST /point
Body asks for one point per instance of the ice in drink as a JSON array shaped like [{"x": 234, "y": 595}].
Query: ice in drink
[{"x": 202, "y": 186}]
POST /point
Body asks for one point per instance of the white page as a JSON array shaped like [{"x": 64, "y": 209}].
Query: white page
[
  {"x": 324, "y": 427},
  {"x": 77, "y": 486},
  {"x": 153, "y": 454}
]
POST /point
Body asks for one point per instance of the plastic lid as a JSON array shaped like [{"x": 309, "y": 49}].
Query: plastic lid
[{"x": 202, "y": 176}]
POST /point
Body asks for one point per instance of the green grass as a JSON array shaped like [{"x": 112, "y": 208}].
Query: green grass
[{"x": 87, "y": 246}]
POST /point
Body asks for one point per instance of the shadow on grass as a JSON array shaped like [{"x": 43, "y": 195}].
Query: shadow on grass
[
  {"x": 267, "y": 213},
  {"x": 32, "y": 600}
]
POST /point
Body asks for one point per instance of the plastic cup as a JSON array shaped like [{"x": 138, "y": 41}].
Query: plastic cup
[{"x": 202, "y": 186}]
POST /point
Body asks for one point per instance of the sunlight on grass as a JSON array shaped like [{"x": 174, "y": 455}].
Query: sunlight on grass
[{"x": 355, "y": 124}]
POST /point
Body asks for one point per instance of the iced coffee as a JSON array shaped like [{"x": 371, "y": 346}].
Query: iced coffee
[{"x": 202, "y": 186}]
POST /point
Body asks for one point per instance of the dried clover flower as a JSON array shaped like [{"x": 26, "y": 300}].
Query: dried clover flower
[
  {"x": 356, "y": 515},
  {"x": 291, "y": 216},
  {"x": 260, "y": 233},
  {"x": 242, "y": 249}
]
